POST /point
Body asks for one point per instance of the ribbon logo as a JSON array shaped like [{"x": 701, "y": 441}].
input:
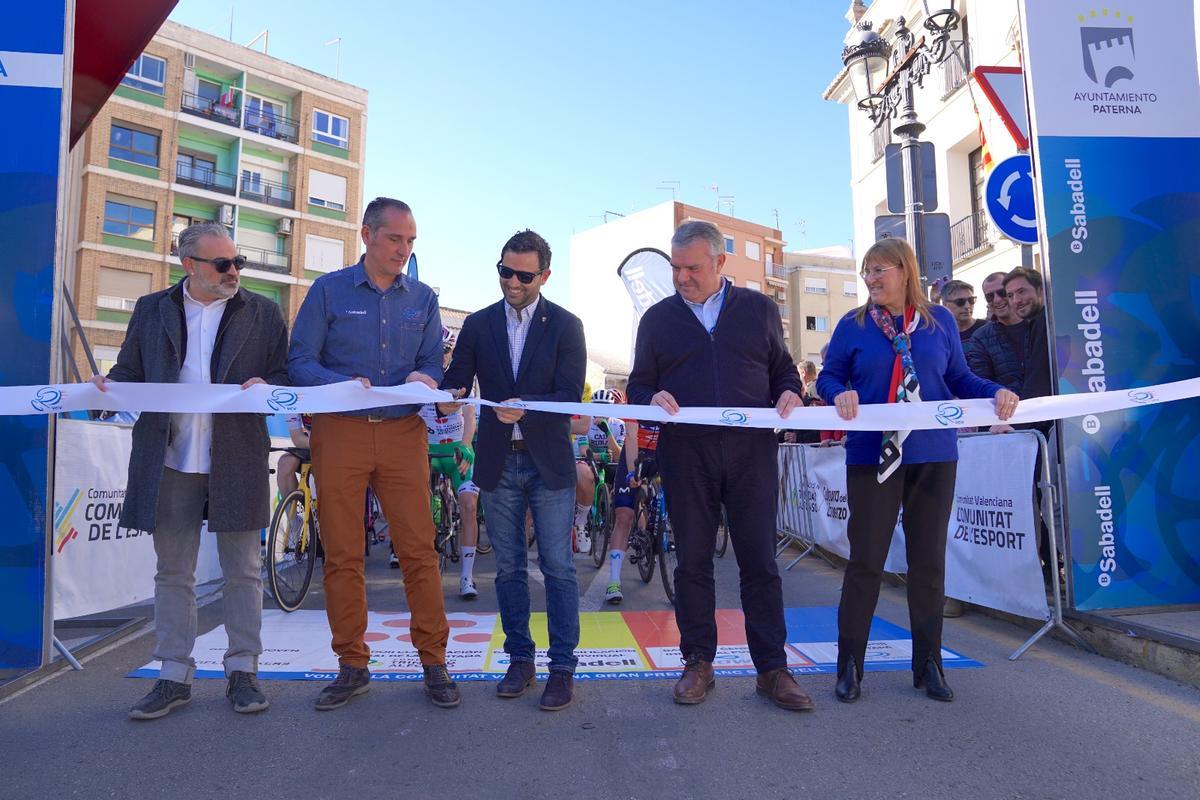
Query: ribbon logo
[
  {"x": 1140, "y": 396},
  {"x": 47, "y": 399},
  {"x": 732, "y": 416},
  {"x": 948, "y": 414},
  {"x": 283, "y": 400}
]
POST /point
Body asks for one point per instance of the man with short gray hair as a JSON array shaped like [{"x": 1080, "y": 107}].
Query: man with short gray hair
[
  {"x": 186, "y": 468},
  {"x": 713, "y": 344}
]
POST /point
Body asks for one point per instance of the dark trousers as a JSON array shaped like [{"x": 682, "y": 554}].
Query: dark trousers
[
  {"x": 926, "y": 492},
  {"x": 701, "y": 472}
]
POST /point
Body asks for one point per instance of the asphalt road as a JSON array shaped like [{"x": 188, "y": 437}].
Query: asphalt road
[{"x": 1059, "y": 723}]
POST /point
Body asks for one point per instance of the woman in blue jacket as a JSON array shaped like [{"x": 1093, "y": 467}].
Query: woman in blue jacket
[{"x": 898, "y": 348}]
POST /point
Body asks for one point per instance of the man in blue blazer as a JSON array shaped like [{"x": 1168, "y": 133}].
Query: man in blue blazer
[{"x": 527, "y": 348}]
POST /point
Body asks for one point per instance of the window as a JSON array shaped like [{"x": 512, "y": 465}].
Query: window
[
  {"x": 816, "y": 323},
  {"x": 849, "y": 288},
  {"x": 130, "y": 144},
  {"x": 128, "y": 216},
  {"x": 326, "y": 191},
  {"x": 755, "y": 285},
  {"x": 978, "y": 179},
  {"x": 729, "y": 248},
  {"x": 194, "y": 168},
  {"x": 148, "y": 73},
  {"x": 263, "y": 115},
  {"x": 252, "y": 181},
  {"x": 753, "y": 251},
  {"x": 322, "y": 254},
  {"x": 815, "y": 286},
  {"x": 119, "y": 289},
  {"x": 209, "y": 93},
  {"x": 331, "y": 129}
]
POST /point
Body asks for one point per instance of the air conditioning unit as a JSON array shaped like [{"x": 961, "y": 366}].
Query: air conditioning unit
[
  {"x": 226, "y": 214},
  {"x": 284, "y": 226}
]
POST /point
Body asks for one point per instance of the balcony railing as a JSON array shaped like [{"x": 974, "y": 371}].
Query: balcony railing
[
  {"x": 210, "y": 109},
  {"x": 968, "y": 236},
  {"x": 269, "y": 192},
  {"x": 272, "y": 126},
  {"x": 205, "y": 178},
  {"x": 261, "y": 259},
  {"x": 955, "y": 68},
  {"x": 881, "y": 137},
  {"x": 778, "y": 271}
]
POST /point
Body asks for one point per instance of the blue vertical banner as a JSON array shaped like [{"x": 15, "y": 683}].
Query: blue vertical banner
[
  {"x": 1115, "y": 109},
  {"x": 32, "y": 39}
]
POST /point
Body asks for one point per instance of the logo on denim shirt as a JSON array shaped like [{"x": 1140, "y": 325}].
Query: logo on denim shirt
[
  {"x": 47, "y": 399},
  {"x": 283, "y": 400},
  {"x": 411, "y": 314},
  {"x": 948, "y": 414},
  {"x": 358, "y": 312}
]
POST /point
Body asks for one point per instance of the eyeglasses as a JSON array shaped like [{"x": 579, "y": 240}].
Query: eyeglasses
[
  {"x": 1000, "y": 293},
  {"x": 524, "y": 277},
  {"x": 877, "y": 272},
  {"x": 223, "y": 265},
  {"x": 963, "y": 301}
]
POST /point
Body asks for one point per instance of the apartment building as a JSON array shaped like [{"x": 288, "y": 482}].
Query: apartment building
[
  {"x": 753, "y": 260},
  {"x": 823, "y": 285},
  {"x": 202, "y": 129},
  {"x": 988, "y": 35}
]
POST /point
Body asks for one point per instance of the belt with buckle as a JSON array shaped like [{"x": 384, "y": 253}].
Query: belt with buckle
[
  {"x": 517, "y": 445},
  {"x": 375, "y": 418}
]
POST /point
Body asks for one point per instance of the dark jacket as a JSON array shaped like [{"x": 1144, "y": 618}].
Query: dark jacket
[
  {"x": 251, "y": 343},
  {"x": 744, "y": 362},
  {"x": 1039, "y": 379},
  {"x": 991, "y": 356},
  {"x": 553, "y": 363}
]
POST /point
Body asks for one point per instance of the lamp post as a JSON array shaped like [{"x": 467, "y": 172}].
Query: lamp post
[{"x": 884, "y": 78}]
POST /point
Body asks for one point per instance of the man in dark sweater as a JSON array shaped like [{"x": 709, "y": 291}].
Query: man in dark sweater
[
  {"x": 714, "y": 345},
  {"x": 996, "y": 352}
]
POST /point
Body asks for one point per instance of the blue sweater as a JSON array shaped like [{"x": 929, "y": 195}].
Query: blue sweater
[{"x": 861, "y": 356}]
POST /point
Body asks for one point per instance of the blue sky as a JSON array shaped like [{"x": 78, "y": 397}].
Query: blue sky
[{"x": 488, "y": 118}]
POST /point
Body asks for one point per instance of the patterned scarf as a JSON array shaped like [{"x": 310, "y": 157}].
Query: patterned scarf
[{"x": 904, "y": 386}]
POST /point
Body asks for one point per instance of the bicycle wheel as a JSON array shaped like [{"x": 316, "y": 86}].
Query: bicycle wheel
[
  {"x": 603, "y": 529},
  {"x": 451, "y": 501},
  {"x": 291, "y": 552},
  {"x": 641, "y": 546},
  {"x": 482, "y": 546},
  {"x": 667, "y": 559},
  {"x": 723, "y": 534}
]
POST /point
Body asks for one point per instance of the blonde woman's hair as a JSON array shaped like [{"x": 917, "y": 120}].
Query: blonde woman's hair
[{"x": 898, "y": 253}]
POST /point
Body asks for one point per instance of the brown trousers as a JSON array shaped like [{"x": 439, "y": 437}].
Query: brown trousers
[{"x": 348, "y": 454}]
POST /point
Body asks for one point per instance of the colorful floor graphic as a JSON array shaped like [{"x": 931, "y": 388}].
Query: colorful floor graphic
[{"x": 613, "y": 645}]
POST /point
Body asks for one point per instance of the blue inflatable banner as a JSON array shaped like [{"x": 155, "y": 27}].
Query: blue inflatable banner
[
  {"x": 31, "y": 97},
  {"x": 1115, "y": 106}
]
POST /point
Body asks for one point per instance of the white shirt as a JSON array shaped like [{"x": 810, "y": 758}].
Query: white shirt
[
  {"x": 517, "y": 323},
  {"x": 190, "y": 447}
]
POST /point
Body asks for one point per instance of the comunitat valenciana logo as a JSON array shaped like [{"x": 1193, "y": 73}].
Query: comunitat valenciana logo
[
  {"x": 283, "y": 400},
  {"x": 948, "y": 414},
  {"x": 1108, "y": 52},
  {"x": 731, "y": 416},
  {"x": 47, "y": 399}
]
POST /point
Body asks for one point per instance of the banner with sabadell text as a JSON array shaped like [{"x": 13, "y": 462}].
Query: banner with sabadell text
[
  {"x": 1115, "y": 108},
  {"x": 32, "y": 37}
]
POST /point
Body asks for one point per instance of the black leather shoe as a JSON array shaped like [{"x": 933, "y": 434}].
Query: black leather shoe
[
  {"x": 519, "y": 677},
  {"x": 934, "y": 682},
  {"x": 559, "y": 690},
  {"x": 847, "y": 688}
]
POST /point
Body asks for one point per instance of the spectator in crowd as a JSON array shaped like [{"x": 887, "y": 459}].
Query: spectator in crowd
[
  {"x": 1023, "y": 287},
  {"x": 959, "y": 297},
  {"x": 996, "y": 352}
]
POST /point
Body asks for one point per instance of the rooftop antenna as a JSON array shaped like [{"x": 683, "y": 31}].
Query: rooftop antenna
[
  {"x": 717, "y": 189},
  {"x": 775, "y": 211},
  {"x": 726, "y": 200},
  {"x": 672, "y": 187},
  {"x": 231, "y": 22},
  {"x": 337, "y": 70},
  {"x": 265, "y": 35}
]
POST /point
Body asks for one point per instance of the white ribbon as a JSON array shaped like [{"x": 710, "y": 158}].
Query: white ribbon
[{"x": 352, "y": 396}]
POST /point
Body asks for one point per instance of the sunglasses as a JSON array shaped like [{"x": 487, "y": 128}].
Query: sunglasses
[
  {"x": 223, "y": 265},
  {"x": 963, "y": 301},
  {"x": 998, "y": 293},
  {"x": 524, "y": 277}
]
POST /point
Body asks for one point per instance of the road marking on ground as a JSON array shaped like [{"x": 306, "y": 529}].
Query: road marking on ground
[{"x": 593, "y": 598}]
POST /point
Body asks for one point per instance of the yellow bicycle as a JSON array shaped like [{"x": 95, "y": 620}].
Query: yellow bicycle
[{"x": 293, "y": 541}]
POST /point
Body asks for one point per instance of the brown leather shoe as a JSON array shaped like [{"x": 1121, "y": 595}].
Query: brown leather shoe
[
  {"x": 781, "y": 687},
  {"x": 697, "y": 679},
  {"x": 519, "y": 677},
  {"x": 441, "y": 689}
]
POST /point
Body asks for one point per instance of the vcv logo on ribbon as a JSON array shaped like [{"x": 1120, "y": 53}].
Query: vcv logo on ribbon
[
  {"x": 283, "y": 400},
  {"x": 731, "y": 416},
  {"x": 47, "y": 399},
  {"x": 948, "y": 414},
  {"x": 1140, "y": 396}
]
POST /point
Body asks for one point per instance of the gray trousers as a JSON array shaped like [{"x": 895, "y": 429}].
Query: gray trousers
[{"x": 181, "y": 502}]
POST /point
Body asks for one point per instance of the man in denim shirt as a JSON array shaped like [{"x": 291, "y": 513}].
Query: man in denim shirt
[{"x": 372, "y": 323}]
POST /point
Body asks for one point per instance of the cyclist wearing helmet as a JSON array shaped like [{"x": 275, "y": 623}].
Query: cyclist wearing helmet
[
  {"x": 595, "y": 451},
  {"x": 451, "y": 455}
]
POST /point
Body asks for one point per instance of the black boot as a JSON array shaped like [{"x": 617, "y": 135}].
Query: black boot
[
  {"x": 847, "y": 689},
  {"x": 934, "y": 681}
]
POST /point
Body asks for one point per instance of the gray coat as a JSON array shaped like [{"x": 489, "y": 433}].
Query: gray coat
[{"x": 251, "y": 343}]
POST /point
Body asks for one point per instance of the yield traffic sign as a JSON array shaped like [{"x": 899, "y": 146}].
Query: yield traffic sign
[
  {"x": 1005, "y": 90},
  {"x": 1009, "y": 199}
]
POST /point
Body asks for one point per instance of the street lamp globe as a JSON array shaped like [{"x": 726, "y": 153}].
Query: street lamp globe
[
  {"x": 866, "y": 61},
  {"x": 943, "y": 21}
]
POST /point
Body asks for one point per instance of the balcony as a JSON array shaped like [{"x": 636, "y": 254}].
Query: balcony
[
  {"x": 272, "y": 126},
  {"x": 209, "y": 109},
  {"x": 261, "y": 259},
  {"x": 969, "y": 236},
  {"x": 881, "y": 137},
  {"x": 269, "y": 192},
  {"x": 205, "y": 178},
  {"x": 955, "y": 68}
]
